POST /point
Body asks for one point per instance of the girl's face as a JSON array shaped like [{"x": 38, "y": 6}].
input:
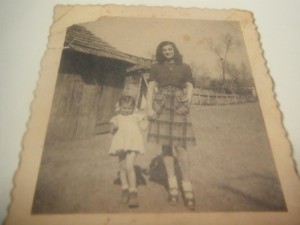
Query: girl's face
[
  {"x": 168, "y": 52},
  {"x": 126, "y": 109}
]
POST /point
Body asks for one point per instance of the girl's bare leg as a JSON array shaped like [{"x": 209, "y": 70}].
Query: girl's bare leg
[
  {"x": 130, "y": 160},
  {"x": 123, "y": 176},
  {"x": 133, "y": 198}
]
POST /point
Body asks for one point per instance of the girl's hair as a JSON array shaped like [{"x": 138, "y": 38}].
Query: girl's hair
[
  {"x": 127, "y": 100},
  {"x": 161, "y": 58}
]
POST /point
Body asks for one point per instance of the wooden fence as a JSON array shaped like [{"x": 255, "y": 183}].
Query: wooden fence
[{"x": 221, "y": 99}]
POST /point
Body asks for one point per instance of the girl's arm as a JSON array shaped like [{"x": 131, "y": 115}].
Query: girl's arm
[
  {"x": 150, "y": 112},
  {"x": 113, "y": 128},
  {"x": 113, "y": 125},
  {"x": 189, "y": 91}
]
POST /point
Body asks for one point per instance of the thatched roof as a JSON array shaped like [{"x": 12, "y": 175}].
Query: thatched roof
[{"x": 82, "y": 40}]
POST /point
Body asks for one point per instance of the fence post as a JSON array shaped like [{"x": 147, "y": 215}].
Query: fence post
[
  {"x": 200, "y": 102},
  {"x": 208, "y": 100}
]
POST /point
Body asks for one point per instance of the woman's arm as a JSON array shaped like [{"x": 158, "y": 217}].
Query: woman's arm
[
  {"x": 150, "y": 112},
  {"x": 189, "y": 91},
  {"x": 142, "y": 120}
]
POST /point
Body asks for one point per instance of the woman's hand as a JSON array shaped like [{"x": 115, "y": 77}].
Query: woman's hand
[
  {"x": 190, "y": 91},
  {"x": 144, "y": 124},
  {"x": 150, "y": 112}
]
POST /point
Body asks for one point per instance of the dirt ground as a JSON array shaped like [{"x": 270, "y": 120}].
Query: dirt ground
[{"x": 232, "y": 169}]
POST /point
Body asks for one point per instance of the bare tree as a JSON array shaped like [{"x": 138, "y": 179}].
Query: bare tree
[
  {"x": 200, "y": 74},
  {"x": 233, "y": 71},
  {"x": 245, "y": 72},
  {"x": 240, "y": 78},
  {"x": 221, "y": 49}
]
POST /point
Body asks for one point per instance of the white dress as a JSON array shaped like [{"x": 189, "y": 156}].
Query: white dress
[{"x": 128, "y": 137}]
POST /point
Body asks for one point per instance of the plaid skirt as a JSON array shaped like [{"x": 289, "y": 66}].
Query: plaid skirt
[{"x": 172, "y": 125}]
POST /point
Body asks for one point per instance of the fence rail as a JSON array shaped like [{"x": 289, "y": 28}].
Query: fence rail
[{"x": 221, "y": 99}]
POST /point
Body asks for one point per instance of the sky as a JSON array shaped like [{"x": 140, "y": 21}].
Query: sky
[{"x": 141, "y": 36}]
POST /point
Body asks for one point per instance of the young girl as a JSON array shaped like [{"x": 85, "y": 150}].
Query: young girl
[
  {"x": 171, "y": 126},
  {"x": 127, "y": 143}
]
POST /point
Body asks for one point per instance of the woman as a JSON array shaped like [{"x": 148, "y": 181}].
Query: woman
[{"x": 168, "y": 109}]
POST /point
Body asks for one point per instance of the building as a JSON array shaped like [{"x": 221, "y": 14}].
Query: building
[{"x": 91, "y": 78}]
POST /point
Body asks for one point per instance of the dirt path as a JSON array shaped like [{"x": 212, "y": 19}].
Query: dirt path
[{"x": 232, "y": 170}]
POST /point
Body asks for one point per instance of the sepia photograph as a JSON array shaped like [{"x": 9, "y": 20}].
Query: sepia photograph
[{"x": 154, "y": 115}]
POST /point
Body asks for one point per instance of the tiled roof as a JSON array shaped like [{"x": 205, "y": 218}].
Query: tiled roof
[{"x": 82, "y": 40}]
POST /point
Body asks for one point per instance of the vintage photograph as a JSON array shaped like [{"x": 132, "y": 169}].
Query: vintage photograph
[{"x": 156, "y": 115}]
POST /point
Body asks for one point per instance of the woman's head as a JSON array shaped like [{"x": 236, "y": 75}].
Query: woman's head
[
  {"x": 127, "y": 105},
  {"x": 167, "y": 51}
]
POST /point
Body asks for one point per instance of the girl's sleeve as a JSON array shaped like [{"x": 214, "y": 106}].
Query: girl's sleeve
[
  {"x": 114, "y": 120},
  {"x": 189, "y": 75}
]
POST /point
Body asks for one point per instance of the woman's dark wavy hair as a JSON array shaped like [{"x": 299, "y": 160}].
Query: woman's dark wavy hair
[{"x": 160, "y": 58}]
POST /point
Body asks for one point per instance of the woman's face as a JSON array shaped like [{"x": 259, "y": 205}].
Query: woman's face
[{"x": 168, "y": 52}]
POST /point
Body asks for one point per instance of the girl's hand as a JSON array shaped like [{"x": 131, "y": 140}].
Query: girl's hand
[
  {"x": 113, "y": 129},
  {"x": 151, "y": 113}
]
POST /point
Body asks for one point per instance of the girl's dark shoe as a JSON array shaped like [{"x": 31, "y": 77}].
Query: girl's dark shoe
[
  {"x": 133, "y": 200},
  {"x": 189, "y": 200},
  {"x": 124, "y": 197},
  {"x": 173, "y": 196}
]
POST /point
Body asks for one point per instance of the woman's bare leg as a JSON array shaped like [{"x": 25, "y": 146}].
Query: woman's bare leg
[
  {"x": 168, "y": 159},
  {"x": 183, "y": 159}
]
